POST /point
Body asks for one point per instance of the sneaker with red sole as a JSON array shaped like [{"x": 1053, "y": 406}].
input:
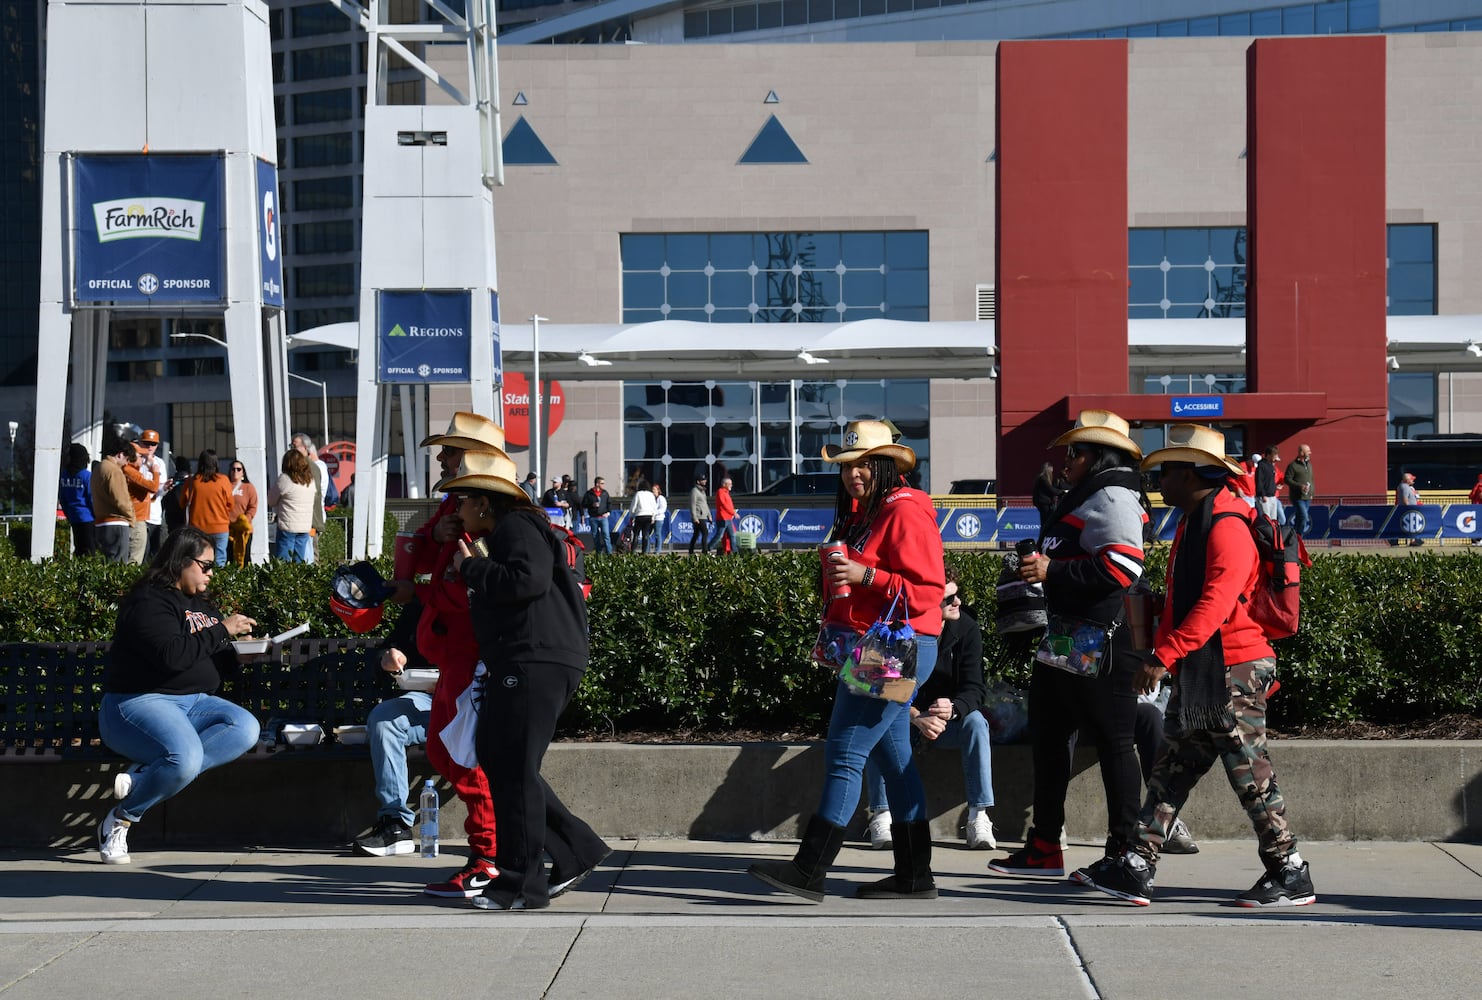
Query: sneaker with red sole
[
  {"x": 1037, "y": 857},
  {"x": 467, "y": 883}
]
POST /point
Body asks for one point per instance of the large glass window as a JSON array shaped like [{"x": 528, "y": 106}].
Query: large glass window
[
  {"x": 320, "y": 280},
  {"x": 826, "y": 277},
  {"x": 320, "y": 106},
  {"x": 319, "y": 63},
  {"x": 334, "y": 236},
  {"x": 323, "y": 150},
  {"x": 1195, "y": 273},
  {"x": 746, "y": 430},
  {"x": 1412, "y": 404},
  {"x": 319, "y": 19},
  {"x": 324, "y": 193}
]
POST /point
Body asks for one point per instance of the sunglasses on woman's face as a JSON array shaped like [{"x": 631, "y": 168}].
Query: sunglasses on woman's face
[{"x": 206, "y": 565}]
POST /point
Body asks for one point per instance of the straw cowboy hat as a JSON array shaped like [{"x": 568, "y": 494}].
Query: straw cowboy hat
[
  {"x": 493, "y": 471},
  {"x": 470, "y": 432},
  {"x": 870, "y": 437},
  {"x": 1099, "y": 427},
  {"x": 1196, "y": 443}
]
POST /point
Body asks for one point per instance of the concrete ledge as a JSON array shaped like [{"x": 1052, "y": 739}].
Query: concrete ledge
[{"x": 1335, "y": 790}]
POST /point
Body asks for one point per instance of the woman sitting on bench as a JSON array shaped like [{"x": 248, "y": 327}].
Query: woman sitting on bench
[{"x": 159, "y": 710}]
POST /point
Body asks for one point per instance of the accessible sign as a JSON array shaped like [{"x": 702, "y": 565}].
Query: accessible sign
[
  {"x": 148, "y": 230},
  {"x": 422, "y": 337}
]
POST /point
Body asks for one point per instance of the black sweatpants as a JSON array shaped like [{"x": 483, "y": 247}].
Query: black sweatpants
[
  {"x": 522, "y": 702},
  {"x": 1104, "y": 709}
]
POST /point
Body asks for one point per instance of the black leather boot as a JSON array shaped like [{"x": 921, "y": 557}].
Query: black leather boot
[
  {"x": 912, "y": 878},
  {"x": 804, "y": 874}
]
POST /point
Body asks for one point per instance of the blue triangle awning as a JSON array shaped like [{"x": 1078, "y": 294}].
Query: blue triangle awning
[
  {"x": 773, "y": 145},
  {"x": 522, "y": 147}
]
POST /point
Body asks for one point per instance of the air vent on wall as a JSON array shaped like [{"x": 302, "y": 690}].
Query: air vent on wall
[{"x": 987, "y": 303}]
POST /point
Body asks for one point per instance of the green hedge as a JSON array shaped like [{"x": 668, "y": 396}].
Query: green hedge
[{"x": 722, "y": 643}]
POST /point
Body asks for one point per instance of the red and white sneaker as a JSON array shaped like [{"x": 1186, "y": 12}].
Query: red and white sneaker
[{"x": 467, "y": 882}]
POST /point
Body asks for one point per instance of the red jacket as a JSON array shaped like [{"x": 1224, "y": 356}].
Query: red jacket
[
  {"x": 904, "y": 546},
  {"x": 725, "y": 507},
  {"x": 445, "y": 629},
  {"x": 1229, "y": 573}
]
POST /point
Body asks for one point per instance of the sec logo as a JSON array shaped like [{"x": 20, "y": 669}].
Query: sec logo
[
  {"x": 753, "y": 524},
  {"x": 1413, "y": 522},
  {"x": 148, "y": 283},
  {"x": 968, "y": 526}
]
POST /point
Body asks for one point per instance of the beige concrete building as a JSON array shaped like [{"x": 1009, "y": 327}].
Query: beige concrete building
[{"x": 651, "y": 140}]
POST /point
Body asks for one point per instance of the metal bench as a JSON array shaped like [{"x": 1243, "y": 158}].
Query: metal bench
[{"x": 50, "y": 693}]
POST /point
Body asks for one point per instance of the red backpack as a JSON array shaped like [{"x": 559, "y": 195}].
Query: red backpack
[{"x": 1275, "y": 603}]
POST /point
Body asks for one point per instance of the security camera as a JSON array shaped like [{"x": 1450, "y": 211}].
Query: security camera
[
  {"x": 1475, "y": 349},
  {"x": 1392, "y": 363}
]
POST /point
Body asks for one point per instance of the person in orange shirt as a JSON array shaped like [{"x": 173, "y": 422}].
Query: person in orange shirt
[
  {"x": 244, "y": 509},
  {"x": 208, "y": 502},
  {"x": 143, "y": 484}
]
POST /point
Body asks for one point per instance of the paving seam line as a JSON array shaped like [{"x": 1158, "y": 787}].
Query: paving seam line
[{"x": 1067, "y": 941}]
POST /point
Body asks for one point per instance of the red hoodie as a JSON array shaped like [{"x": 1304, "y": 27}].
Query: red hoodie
[
  {"x": 445, "y": 629},
  {"x": 1230, "y": 567},
  {"x": 904, "y": 546}
]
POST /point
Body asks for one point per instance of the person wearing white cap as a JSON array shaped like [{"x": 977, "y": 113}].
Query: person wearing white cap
[
  {"x": 1090, "y": 554},
  {"x": 1222, "y": 667}
]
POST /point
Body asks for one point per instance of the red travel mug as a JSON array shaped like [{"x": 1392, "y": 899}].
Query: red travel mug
[{"x": 835, "y": 552}]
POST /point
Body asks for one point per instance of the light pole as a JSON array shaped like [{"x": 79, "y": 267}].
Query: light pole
[
  {"x": 14, "y": 426},
  {"x": 536, "y": 444},
  {"x": 323, "y": 398}
]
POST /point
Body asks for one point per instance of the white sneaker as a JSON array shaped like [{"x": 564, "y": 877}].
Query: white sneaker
[
  {"x": 878, "y": 831},
  {"x": 123, "y": 781},
  {"x": 980, "y": 831},
  {"x": 113, "y": 839}
]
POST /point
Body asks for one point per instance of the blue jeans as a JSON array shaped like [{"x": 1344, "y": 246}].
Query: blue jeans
[
  {"x": 727, "y": 529},
  {"x": 1302, "y": 515},
  {"x": 175, "y": 737},
  {"x": 970, "y": 735},
  {"x": 391, "y": 727},
  {"x": 293, "y": 546},
  {"x": 601, "y": 540},
  {"x": 862, "y": 728},
  {"x": 220, "y": 542}
]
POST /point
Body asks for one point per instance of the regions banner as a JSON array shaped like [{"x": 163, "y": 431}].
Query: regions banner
[
  {"x": 269, "y": 235},
  {"x": 423, "y": 336},
  {"x": 1015, "y": 523},
  {"x": 148, "y": 230}
]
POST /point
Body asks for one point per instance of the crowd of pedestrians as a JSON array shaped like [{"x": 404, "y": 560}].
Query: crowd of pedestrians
[{"x": 493, "y": 611}]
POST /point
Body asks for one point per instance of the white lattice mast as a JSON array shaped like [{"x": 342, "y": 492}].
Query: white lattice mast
[
  {"x": 427, "y": 223},
  {"x": 135, "y": 89}
]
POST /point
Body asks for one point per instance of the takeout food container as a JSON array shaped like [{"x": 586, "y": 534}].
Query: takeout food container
[
  {"x": 301, "y": 734},
  {"x": 252, "y": 647},
  {"x": 349, "y": 735},
  {"x": 416, "y": 679}
]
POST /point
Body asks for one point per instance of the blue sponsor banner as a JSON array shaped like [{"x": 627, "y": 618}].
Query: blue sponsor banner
[
  {"x": 760, "y": 521},
  {"x": 805, "y": 525},
  {"x": 1015, "y": 523},
  {"x": 269, "y": 234},
  {"x": 1413, "y": 522},
  {"x": 969, "y": 524},
  {"x": 1196, "y": 407},
  {"x": 148, "y": 230},
  {"x": 1165, "y": 522},
  {"x": 1461, "y": 520},
  {"x": 423, "y": 336},
  {"x": 681, "y": 527},
  {"x": 498, "y": 376},
  {"x": 1320, "y": 516},
  {"x": 1358, "y": 520}
]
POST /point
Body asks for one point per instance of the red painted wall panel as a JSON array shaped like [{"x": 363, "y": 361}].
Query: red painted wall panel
[
  {"x": 1316, "y": 199},
  {"x": 1061, "y": 192}
]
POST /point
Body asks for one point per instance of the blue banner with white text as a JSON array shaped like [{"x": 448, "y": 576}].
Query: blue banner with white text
[
  {"x": 148, "y": 230},
  {"x": 269, "y": 235},
  {"x": 423, "y": 336}
]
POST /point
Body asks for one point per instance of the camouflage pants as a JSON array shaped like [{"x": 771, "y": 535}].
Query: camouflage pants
[{"x": 1242, "y": 749}]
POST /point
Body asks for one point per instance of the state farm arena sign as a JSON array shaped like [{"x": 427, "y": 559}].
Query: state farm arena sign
[{"x": 517, "y": 408}]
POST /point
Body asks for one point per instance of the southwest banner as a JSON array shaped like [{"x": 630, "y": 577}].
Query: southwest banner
[
  {"x": 148, "y": 230},
  {"x": 423, "y": 336}
]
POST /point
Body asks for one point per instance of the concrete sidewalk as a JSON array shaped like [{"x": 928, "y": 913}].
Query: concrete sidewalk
[{"x": 673, "y": 918}]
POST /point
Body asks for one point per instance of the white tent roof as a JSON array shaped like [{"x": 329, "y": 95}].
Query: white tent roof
[{"x": 882, "y": 348}]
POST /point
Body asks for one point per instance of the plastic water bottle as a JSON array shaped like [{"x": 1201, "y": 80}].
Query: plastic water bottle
[{"x": 427, "y": 821}]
